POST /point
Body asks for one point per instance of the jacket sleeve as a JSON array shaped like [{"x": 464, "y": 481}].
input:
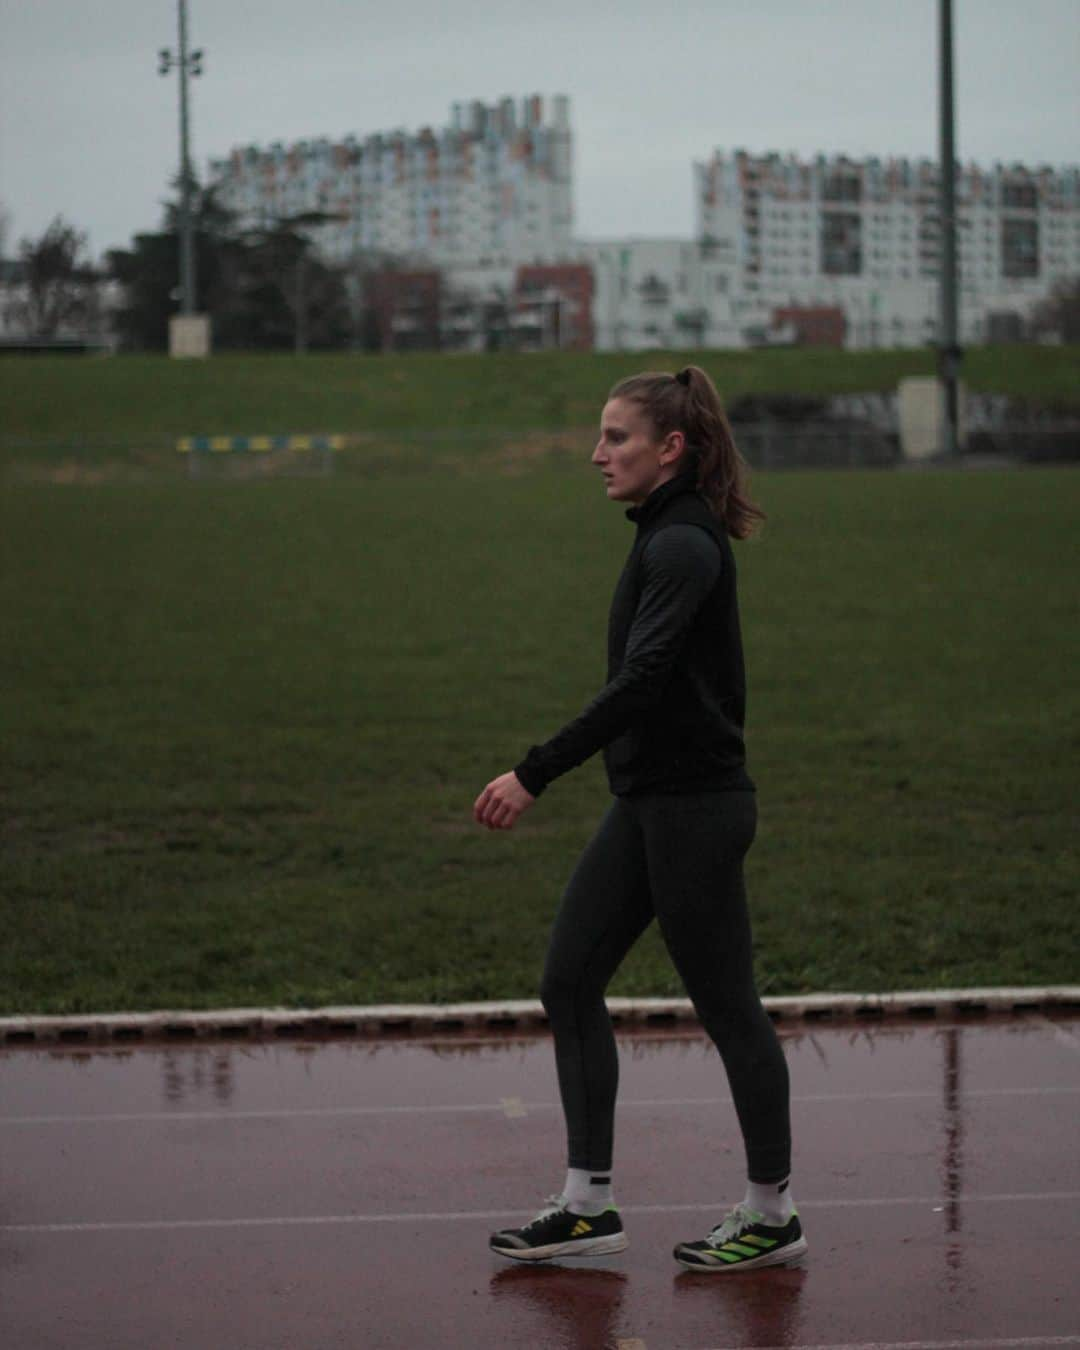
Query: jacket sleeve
[{"x": 680, "y": 565}]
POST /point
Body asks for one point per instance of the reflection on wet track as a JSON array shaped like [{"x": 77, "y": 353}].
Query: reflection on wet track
[{"x": 340, "y": 1192}]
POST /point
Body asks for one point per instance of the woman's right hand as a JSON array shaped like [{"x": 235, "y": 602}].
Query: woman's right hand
[{"x": 502, "y": 802}]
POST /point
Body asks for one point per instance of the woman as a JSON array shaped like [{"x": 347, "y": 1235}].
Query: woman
[{"x": 671, "y": 846}]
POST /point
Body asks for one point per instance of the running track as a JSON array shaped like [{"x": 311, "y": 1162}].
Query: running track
[{"x": 338, "y": 1193}]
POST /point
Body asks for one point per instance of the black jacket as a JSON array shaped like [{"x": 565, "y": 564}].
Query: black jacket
[{"x": 670, "y": 718}]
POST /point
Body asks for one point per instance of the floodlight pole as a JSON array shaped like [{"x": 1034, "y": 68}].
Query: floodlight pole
[
  {"x": 187, "y": 249},
  {"x": 950, "y": 353},
  {"x": 186, "y": 65}
]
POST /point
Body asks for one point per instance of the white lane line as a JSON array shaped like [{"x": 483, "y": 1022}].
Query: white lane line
[
  {"x": 463, "y": 1216},
  {"x": 300, "y": 1113},
  {"x": 983, "y": 1343},
  {"x": 1055, "y": 1091},
  {"x": 933, "y": 1201}
]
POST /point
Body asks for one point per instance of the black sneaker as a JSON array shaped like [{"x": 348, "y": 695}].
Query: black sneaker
[
  {"x": 558, "y": 1231},
  {"x": 743, "y": 1241}
]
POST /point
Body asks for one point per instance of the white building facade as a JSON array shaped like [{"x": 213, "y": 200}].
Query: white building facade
[
  {"x": 660, "y": 293},
  {"x": 778, "y": 237},
  {"x": 492, "y": 187},
  {"x": 856, "y": 243},
  {"x": 865, "y": 236}
]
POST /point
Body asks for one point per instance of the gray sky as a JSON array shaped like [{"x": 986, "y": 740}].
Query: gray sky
[{"x": 89, "y": 130}]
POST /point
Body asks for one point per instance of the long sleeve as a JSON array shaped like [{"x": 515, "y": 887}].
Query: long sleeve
[{"x": 679, "y": 566}]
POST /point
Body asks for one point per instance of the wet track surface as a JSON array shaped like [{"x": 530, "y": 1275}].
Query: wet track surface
[{"x": 340, "y": 1194}]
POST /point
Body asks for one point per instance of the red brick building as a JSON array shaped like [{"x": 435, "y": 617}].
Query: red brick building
[
  {"x": 552, "y": 306},
  {"x": 405, "y": 309},
  {"x": 818, "y": 326}
]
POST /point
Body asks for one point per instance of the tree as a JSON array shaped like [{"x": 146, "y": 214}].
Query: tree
[
  {"x": 262, "y": 288},
  {"x": 60, "y": 284},
  {"x": 149, "y": 272},
  {"x": 304, "y": 299},
  {"x": 1059, "y": 314}
]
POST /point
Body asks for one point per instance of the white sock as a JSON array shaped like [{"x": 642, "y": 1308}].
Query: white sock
[
  {"x": 773, "y": 1201},
  {"x": 587, "y": 1192}
]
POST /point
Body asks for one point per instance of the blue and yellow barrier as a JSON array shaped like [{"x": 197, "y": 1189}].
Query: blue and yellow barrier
[{"x": 187, "y": 445}]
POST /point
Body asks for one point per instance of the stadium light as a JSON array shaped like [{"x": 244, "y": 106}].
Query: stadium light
[{"x": 186, "y": 64}]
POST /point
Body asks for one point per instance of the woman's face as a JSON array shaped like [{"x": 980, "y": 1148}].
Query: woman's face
[{"x": 629, "y": 456}]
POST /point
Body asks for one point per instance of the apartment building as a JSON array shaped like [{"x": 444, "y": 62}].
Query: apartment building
[
  {"x": 494, "y": 186},
  {"x": 865, "y": 236},
  {"x": 833, "y": 250},
  {"x": 821, "y": 250}
]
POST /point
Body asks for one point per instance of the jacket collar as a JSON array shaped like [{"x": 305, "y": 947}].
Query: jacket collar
[{"x": 659, "y": 497}]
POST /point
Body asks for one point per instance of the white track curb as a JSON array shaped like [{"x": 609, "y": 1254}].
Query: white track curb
[{"x": 522, "y": 1015}]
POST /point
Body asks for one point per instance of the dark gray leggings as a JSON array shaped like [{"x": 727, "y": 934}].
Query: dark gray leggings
[{"x": 678, "y": 859}]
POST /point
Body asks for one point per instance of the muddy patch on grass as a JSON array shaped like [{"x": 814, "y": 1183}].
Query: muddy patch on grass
[{"x": 81, "y": 473}]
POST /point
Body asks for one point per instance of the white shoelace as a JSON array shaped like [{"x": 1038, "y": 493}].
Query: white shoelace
[
  {"x": 732, "y": 1224},
  {"x": 552, "y": 1205}
]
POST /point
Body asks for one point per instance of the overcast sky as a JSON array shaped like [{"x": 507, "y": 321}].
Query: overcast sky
[{"x": 89, "y": 130}]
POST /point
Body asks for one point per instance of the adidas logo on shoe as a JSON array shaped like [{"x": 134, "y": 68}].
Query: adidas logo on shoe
[{"x": 558, "y": 1231}]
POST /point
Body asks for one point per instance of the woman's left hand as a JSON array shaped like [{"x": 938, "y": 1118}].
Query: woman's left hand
[{"x": 501, "y": 802}]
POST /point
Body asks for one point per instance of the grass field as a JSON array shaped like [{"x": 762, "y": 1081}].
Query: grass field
[
  {"x": 135, "y": 405},
  {"x": 244, "y": 724}
]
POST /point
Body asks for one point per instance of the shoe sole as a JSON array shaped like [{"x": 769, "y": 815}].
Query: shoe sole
[
  {"x": 793, "y": 1255},
  {"x": 598, "y": 1246}
]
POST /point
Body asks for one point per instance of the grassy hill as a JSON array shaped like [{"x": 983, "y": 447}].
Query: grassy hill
[{"x": 141, "y": 402}]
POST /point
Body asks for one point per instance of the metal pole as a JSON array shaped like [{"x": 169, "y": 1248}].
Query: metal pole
[
  {"x": 950, "y": 353},
  {"x": 300, "y": 327},
  {"x": 187, "y": 243}
]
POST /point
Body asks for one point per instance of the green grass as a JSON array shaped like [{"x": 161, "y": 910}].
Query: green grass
[
  {"x": 142, "y": 401},
  {"x": 244, "y": 724}
]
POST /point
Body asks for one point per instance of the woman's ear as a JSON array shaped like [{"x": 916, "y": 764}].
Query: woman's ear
[{"x": 674, "y": 445}]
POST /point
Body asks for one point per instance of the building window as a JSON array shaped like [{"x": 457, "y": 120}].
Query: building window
[
  {"x": 841, "y": 243},
  {"x": 1020, "y": 247}
]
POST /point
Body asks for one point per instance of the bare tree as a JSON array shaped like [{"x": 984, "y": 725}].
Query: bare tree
[{"x": 59, "y": 282}]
